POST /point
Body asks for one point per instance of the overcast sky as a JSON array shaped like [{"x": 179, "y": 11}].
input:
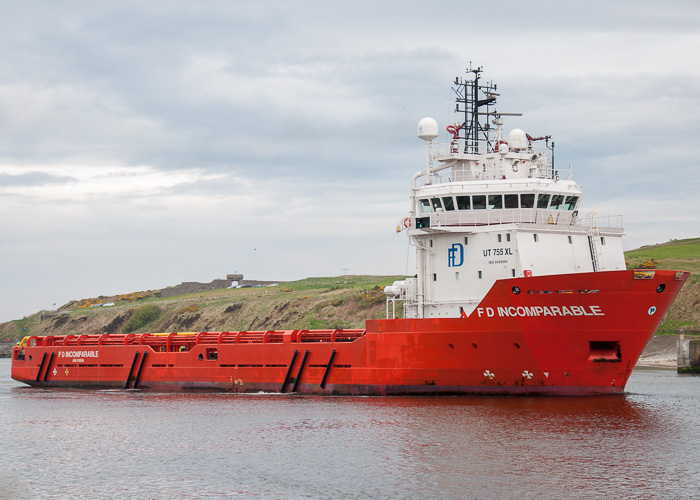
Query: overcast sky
[{"x": 143, "y": 144}]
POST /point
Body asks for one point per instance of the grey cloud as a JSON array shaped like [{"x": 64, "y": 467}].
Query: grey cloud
[{"x": 31, "y": 179}]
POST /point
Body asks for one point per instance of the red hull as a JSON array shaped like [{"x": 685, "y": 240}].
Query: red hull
[{"x": 573, "y": 334}]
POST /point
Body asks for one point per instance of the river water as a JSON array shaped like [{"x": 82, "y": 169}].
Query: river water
[{"x": 115, "y": 444}]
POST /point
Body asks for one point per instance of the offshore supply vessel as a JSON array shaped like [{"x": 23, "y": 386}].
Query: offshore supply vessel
[{"x": 515, "y": 292}]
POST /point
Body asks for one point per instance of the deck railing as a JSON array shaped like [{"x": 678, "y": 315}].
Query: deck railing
[{"x": 516, "y": 216}]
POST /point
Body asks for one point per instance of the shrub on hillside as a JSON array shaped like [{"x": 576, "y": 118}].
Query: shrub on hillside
[
  {"x": 141, "y": 317},
  {"x": 650, "y": 264}
]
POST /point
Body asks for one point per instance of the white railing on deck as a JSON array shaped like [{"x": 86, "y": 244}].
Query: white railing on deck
[
  {"x": 450, "y": 147},
  {"x": 520, "y": 216}
]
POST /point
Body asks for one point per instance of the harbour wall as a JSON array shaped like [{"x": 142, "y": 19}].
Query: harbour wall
[{"x": 688, "y": 354}]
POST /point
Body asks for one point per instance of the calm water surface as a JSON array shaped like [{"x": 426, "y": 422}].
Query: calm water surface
[{"x": 115, "y": 444}]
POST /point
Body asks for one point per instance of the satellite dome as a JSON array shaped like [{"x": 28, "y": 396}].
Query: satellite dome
[
  {"x": 517, "y": 140},
  {"x": 427, "y": 129}
]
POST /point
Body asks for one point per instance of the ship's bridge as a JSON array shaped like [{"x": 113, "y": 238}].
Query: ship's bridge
[{"x": 533, "y": 201}]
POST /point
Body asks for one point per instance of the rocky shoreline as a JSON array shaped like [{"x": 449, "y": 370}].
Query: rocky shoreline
[{"x": 6, "y": 349}]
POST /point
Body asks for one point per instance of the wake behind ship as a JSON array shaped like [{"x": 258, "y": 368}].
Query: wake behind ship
[{"x": 515, "y": 292}]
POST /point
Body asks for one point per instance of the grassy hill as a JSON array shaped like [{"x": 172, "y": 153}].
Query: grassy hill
[{"x": 312, "y": 303}]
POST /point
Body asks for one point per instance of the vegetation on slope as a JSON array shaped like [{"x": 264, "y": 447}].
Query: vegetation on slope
[{"x": 312, "y": 303}]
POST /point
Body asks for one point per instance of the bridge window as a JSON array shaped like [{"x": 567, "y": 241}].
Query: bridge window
[
  {"x": 449, "y": 203},
  {"x": 557, "y": 201},
  {"x": 527, "y": 200},
  {"x": 543, "y": 200},
  {"x": 463, "y": 203},
  {"x": 510, "y": 200},
  {"x": 570, "y": 203},
  {"x": 425, "y": 206},
  {"x": 436, "y": 203},
  {"x": 479, "y": 202},
  {"x": 495, "y": 201}
]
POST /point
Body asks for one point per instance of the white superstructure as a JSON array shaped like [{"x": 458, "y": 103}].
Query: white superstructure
[{"x": 488, "y": 208}]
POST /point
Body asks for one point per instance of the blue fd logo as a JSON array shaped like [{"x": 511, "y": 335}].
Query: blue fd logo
[{"x": 455, "y": 255}]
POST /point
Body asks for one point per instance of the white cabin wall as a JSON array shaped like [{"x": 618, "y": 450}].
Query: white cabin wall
[
  {"x": 612, "y": 255},
  {"x": 583, "y": 262},
  {"x": 455, "y": 261},
  {"x": 552, "y": 253}
]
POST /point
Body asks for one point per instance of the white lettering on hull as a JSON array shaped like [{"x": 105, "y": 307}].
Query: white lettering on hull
[
  {"x": 524, "y": 311},
  {"x": 78, "y": 354}
]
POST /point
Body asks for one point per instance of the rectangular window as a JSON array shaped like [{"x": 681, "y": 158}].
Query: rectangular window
[
  {"x": 557, "y": 201},
  {"x": 463, "y": 203},
  {"x": 508, "y": 237},
  {"x": 570, "y": 203},
  {"x": 479, "y": 274},
  {"x": 499, "y": 238},
  {"x": 479, "y": 202},
  {"x": 536, "y": 239},
  {"x": 466, "y": 240},
  {"x": 602, "y": 240},
  {"x": 457, "y": 275},
  {"x": 436, "y": 203},
  {"x": 434, "y": 277},
  {"x": 527, "y": 200},
  {"x": 543, "y": 200},
  {"x": 512, "y": 271},
  {"x": 510, "y": 200},
  {"x": 449, "y": 203},
  {"x": 425, "y": 206},
  {"x": 495, "y": 201},
  {"x": 570, "y": 240},
  {"x": 431, "y": 243}
]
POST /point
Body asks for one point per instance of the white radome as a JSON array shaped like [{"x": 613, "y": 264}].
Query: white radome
[
  {"x": 428, "y": 129},
  {"x": 517, "y": 140}
]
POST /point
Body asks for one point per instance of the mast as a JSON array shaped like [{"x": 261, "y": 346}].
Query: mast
[{"x": 472, "y": 95}]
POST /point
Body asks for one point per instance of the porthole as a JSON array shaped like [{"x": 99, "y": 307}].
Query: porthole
[
  {"x": 451, "y": 345},
  {"x": 516, "y": 345},
  {"x": 516, "y": 290},
  {"x": 201, "y": 356},
  {"x": 660, "y": 288},
  {"x": 474, "y": 345}
]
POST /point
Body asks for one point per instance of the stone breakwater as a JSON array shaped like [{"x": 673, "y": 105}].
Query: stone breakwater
[{"x": 6, "y": 349}]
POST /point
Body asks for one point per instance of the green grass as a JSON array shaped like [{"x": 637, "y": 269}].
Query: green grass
[
  {"x": 141, "y": 317},
  {"x": 681, "y": 255}
]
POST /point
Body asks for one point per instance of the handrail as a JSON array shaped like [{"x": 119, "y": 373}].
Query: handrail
[
  {"x": 518, "y": 216},
  {"x": 174, "y": 339}
]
